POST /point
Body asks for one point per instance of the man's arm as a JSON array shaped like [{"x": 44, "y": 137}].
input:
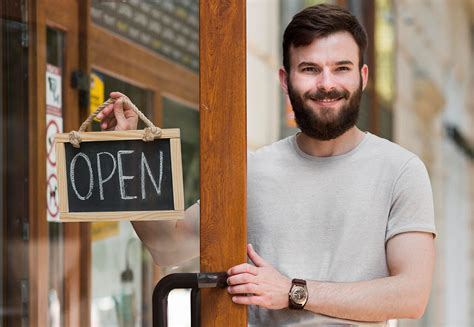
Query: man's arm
[
  {"x": 410, "y": 259},
  {"x": 404, "y": 294},
  {"x": 169, "y": 242}
]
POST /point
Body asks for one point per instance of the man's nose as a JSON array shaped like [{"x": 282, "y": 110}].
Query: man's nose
[{"x": 325, "y": 80}]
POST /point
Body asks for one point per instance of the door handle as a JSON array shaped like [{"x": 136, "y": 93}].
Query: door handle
[{"x": 194, "y": 281}]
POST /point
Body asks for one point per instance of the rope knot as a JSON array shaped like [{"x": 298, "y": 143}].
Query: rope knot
[
  {"x": 75, "y": 139},
  {"x": 150, "y": 133}
]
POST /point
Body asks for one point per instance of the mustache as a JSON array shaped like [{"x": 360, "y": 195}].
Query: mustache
[{"x": 320, "y": 95}]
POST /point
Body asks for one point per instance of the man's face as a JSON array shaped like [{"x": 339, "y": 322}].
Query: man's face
[{"x": 325, "y": 85}]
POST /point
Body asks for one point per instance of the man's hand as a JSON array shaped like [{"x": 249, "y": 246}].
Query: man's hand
[
  {"x": 265, "y": 286},
  {"x": 116, "y": 116}
]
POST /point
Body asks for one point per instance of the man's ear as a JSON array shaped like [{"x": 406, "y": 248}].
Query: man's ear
[
  {"x": 364, "y": 72},
  {"x": 283, "y": 75}
]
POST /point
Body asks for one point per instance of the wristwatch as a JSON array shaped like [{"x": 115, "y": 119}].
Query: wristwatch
[{"x": 298, "y": 295}]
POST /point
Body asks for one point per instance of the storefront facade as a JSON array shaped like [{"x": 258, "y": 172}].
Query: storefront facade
[{"x": 60, "y": 59}]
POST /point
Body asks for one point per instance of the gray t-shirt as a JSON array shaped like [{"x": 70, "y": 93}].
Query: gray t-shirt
[{"x": 329, "y": 218}]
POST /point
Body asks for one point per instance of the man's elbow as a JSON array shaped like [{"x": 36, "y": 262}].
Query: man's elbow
[
  {"x": 168, "y": 259},
  {"x": 163, "y": 260},
  {"x": 416, "y": 312},
  {"x": 417, "y": 306}
]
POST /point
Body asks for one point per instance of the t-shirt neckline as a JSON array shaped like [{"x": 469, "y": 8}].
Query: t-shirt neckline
[{"x": 303, "y": 154}]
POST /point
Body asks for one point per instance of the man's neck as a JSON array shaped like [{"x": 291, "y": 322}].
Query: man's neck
[{"x": 340, "y": 145}]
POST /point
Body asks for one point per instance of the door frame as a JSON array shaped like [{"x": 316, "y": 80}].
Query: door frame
[
  {"x": 223, "y": 142},
  {"x": 76, "y": 306}
]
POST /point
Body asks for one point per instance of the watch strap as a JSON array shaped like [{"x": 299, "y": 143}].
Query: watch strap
[{"x": 297, "y": 281}]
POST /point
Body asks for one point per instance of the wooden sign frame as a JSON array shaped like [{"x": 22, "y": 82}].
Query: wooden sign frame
[{"x": 176, "y": 171}]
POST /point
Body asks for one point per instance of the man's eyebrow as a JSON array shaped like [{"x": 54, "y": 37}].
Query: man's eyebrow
[
  {"x": 344, "y": 62},
  {"x": 307, "y": 63}
]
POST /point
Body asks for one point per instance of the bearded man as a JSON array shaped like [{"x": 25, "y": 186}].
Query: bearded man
[{"x": 341, "y": 221}]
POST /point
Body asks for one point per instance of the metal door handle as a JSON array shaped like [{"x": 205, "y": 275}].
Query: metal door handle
[{"x": 194, "y": 281}]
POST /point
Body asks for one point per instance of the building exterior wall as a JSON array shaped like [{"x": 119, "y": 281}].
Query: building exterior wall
[
  {"x": 434, "y": 88},
  {"x": 263, "y": 106}
]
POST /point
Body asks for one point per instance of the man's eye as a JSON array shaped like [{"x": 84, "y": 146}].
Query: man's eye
[
  {"x": 342, "y": 68},
  {"x": 309, "y": 69}
]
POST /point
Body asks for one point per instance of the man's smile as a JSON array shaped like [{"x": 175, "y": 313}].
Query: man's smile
[{"x": 327, "y": 101}]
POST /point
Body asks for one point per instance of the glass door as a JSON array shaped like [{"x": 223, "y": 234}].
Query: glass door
[{"x": 148, "y": 51}]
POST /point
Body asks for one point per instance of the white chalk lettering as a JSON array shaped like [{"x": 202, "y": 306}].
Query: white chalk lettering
[
  {"x": 99, "y": 172},
  {"x": 122, "y": 177},
  {"x": 73, "y": 178},
  {"x": 144, "y": 166}
]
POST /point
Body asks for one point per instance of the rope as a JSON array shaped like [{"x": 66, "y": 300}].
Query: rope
[{"x": 150, "y": 133}]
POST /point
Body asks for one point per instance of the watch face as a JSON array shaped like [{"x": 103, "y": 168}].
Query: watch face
[{"x": 299, "y": 295}]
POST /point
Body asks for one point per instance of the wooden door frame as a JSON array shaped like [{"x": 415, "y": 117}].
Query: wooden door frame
[
  {"x": 76, "y": 280},
  {"x": 38, "y": 269},
  {"x": 223, "y": 142}
]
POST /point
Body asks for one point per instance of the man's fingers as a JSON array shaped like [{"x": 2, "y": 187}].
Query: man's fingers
[
  {"x": 248, "y": 300},
  {"x": 244, "y": 289},
  {"x": 242, "y": 268},
  {"x": 256, "y": 259},
  {"x": 116, "y": 95},
  {"x": 111, "y": 124},
  {"x": 108, "y": 123},
  {"x": 115, "y": 116},
  {"x": 118, "y": 110},
  {"x": 105, "y": 112},
  {"x": 241, "y": 279}
]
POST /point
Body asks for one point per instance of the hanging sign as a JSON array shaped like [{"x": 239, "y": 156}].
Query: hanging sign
[
  {"x": 54, "y": 125},
  {"x": 117, "y": 176}
]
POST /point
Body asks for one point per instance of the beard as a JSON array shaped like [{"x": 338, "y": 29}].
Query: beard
[{"x": 325, "y": 123}]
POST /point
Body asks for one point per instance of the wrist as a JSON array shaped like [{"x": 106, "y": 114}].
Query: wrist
[{"x": 286, "y": 289}]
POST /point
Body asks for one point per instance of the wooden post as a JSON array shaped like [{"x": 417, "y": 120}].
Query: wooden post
[
  {"x": 38, "y": 245},
  {"x": 223, "y": 152}
]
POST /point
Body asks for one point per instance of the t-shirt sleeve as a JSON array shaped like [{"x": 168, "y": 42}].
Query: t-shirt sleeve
[{"x": 411, "y": 209}]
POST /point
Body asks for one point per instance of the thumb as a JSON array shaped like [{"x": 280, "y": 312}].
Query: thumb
[{"x": 256, "y": 259}]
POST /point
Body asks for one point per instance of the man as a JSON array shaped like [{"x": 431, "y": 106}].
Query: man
[{"x": 341, "y": 221}]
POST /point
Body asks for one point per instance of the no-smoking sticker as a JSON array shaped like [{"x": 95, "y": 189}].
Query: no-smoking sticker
[
  {"x": 51, "y": 129},
  {"x": 54, "y": 125}
]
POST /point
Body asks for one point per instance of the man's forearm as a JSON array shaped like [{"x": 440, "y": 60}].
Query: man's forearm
[
  {"x": 171, "y": 242},
  {"x": 374, "y": 300},
  {"x": 410, "y": 260}
]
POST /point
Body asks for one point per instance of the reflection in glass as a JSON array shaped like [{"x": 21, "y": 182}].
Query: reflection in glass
[
  {"x": 119, "y": 263},
  {"x": 186, "y": 118},
  {"x": 169, "y": 28}
]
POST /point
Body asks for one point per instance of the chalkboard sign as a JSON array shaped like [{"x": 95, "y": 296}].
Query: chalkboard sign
[{"x": 118, "y": 176}]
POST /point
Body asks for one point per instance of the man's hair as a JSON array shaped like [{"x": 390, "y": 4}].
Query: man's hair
[{"x": 320, "y": 21}]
